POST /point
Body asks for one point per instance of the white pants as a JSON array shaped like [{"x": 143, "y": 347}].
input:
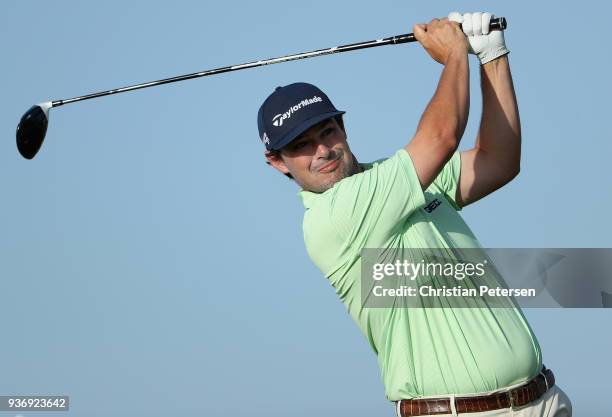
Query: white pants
[{"x": 554, "y": 403}]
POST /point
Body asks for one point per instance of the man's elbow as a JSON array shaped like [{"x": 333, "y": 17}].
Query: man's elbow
[
  {"x": 511, "y": 165},
  {"x": 514, "y": 173},
  {"x": 511, "y": 173},
  {"x": 515, "y": 166},
  {"x": 448, "y": 141}
]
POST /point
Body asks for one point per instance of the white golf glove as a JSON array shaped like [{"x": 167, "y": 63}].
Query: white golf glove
[{"x": 488, "y": 45}]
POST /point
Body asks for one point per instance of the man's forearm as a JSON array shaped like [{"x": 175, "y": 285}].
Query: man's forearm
[
  {"x": 447, "y": 113},
  {"x": 500, "y": 129},
  {"x": 443, "y": 122}
]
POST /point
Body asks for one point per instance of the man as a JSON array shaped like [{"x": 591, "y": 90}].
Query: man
[{"x": 445, "y": 361}]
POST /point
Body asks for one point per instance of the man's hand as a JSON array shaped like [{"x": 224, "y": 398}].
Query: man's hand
[
  {"x": 488, "y": 45},
  {"x": 441, "y": 39}
]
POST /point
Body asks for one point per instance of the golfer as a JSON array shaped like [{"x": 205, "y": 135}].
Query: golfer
[{"x": 443, "y": 361}]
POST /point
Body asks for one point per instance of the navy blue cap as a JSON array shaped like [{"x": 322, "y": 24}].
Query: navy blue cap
[{"x": 291, "y": 110}]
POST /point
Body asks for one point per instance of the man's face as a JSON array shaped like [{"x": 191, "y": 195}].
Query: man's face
[{"x": 318, "y": 158}]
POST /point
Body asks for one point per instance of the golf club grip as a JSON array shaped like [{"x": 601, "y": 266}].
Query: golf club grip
[{"x": 497, "y": 23}]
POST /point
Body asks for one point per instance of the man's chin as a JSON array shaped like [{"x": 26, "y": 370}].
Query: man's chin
[{"x": 330, "y": 179}]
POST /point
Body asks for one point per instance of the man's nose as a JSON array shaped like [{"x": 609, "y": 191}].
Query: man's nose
[{"x": 323, "y": 150}]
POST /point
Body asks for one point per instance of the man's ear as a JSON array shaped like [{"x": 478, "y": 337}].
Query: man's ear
[{"x": 276, "y": 161}]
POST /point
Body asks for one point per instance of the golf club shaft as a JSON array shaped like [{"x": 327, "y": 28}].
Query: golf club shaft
[{"x": 496, "y": 24}]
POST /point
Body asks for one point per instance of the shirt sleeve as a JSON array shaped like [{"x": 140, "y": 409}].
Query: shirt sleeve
[
  {"x": 367, "y": 208},
  {"x": 447, "y": 180}
]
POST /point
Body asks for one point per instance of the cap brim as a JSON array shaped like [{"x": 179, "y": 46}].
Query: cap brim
[{"x": 304, "y": 126}]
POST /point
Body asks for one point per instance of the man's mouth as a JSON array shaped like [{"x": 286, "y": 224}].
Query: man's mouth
[{"x": 330, "y": 166}]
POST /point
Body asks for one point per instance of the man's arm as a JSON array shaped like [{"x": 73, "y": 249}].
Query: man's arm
[
  {"x": 444, "y": 120},
  {"x": 495, "y": 159}
]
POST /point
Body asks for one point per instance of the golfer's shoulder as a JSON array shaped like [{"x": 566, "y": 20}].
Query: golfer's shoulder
[
  {"x": 392, "y": 173},
  {"x": 377, "y": 169},
  {"x": 389, "y": 166}
]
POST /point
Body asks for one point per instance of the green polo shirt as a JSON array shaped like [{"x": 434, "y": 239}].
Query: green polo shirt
[{"x": 421, "y": 352}]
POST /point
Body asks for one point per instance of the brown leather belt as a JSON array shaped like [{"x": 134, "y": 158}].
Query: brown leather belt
[{"x": 517, "y": 397}]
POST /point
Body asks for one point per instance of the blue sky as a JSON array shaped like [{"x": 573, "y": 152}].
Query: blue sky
[{"x": 152, "y": 264}]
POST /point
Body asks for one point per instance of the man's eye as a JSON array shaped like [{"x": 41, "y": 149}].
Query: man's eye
[
  {"x": 328, "y": 131},
  {"x": 299, "y": 145}
]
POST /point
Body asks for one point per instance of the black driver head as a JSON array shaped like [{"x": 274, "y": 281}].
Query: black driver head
[{"x": 32, "y": 129}]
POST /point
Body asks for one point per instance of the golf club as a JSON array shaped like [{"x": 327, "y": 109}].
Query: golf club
[{"x": 33, "y": 125}]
